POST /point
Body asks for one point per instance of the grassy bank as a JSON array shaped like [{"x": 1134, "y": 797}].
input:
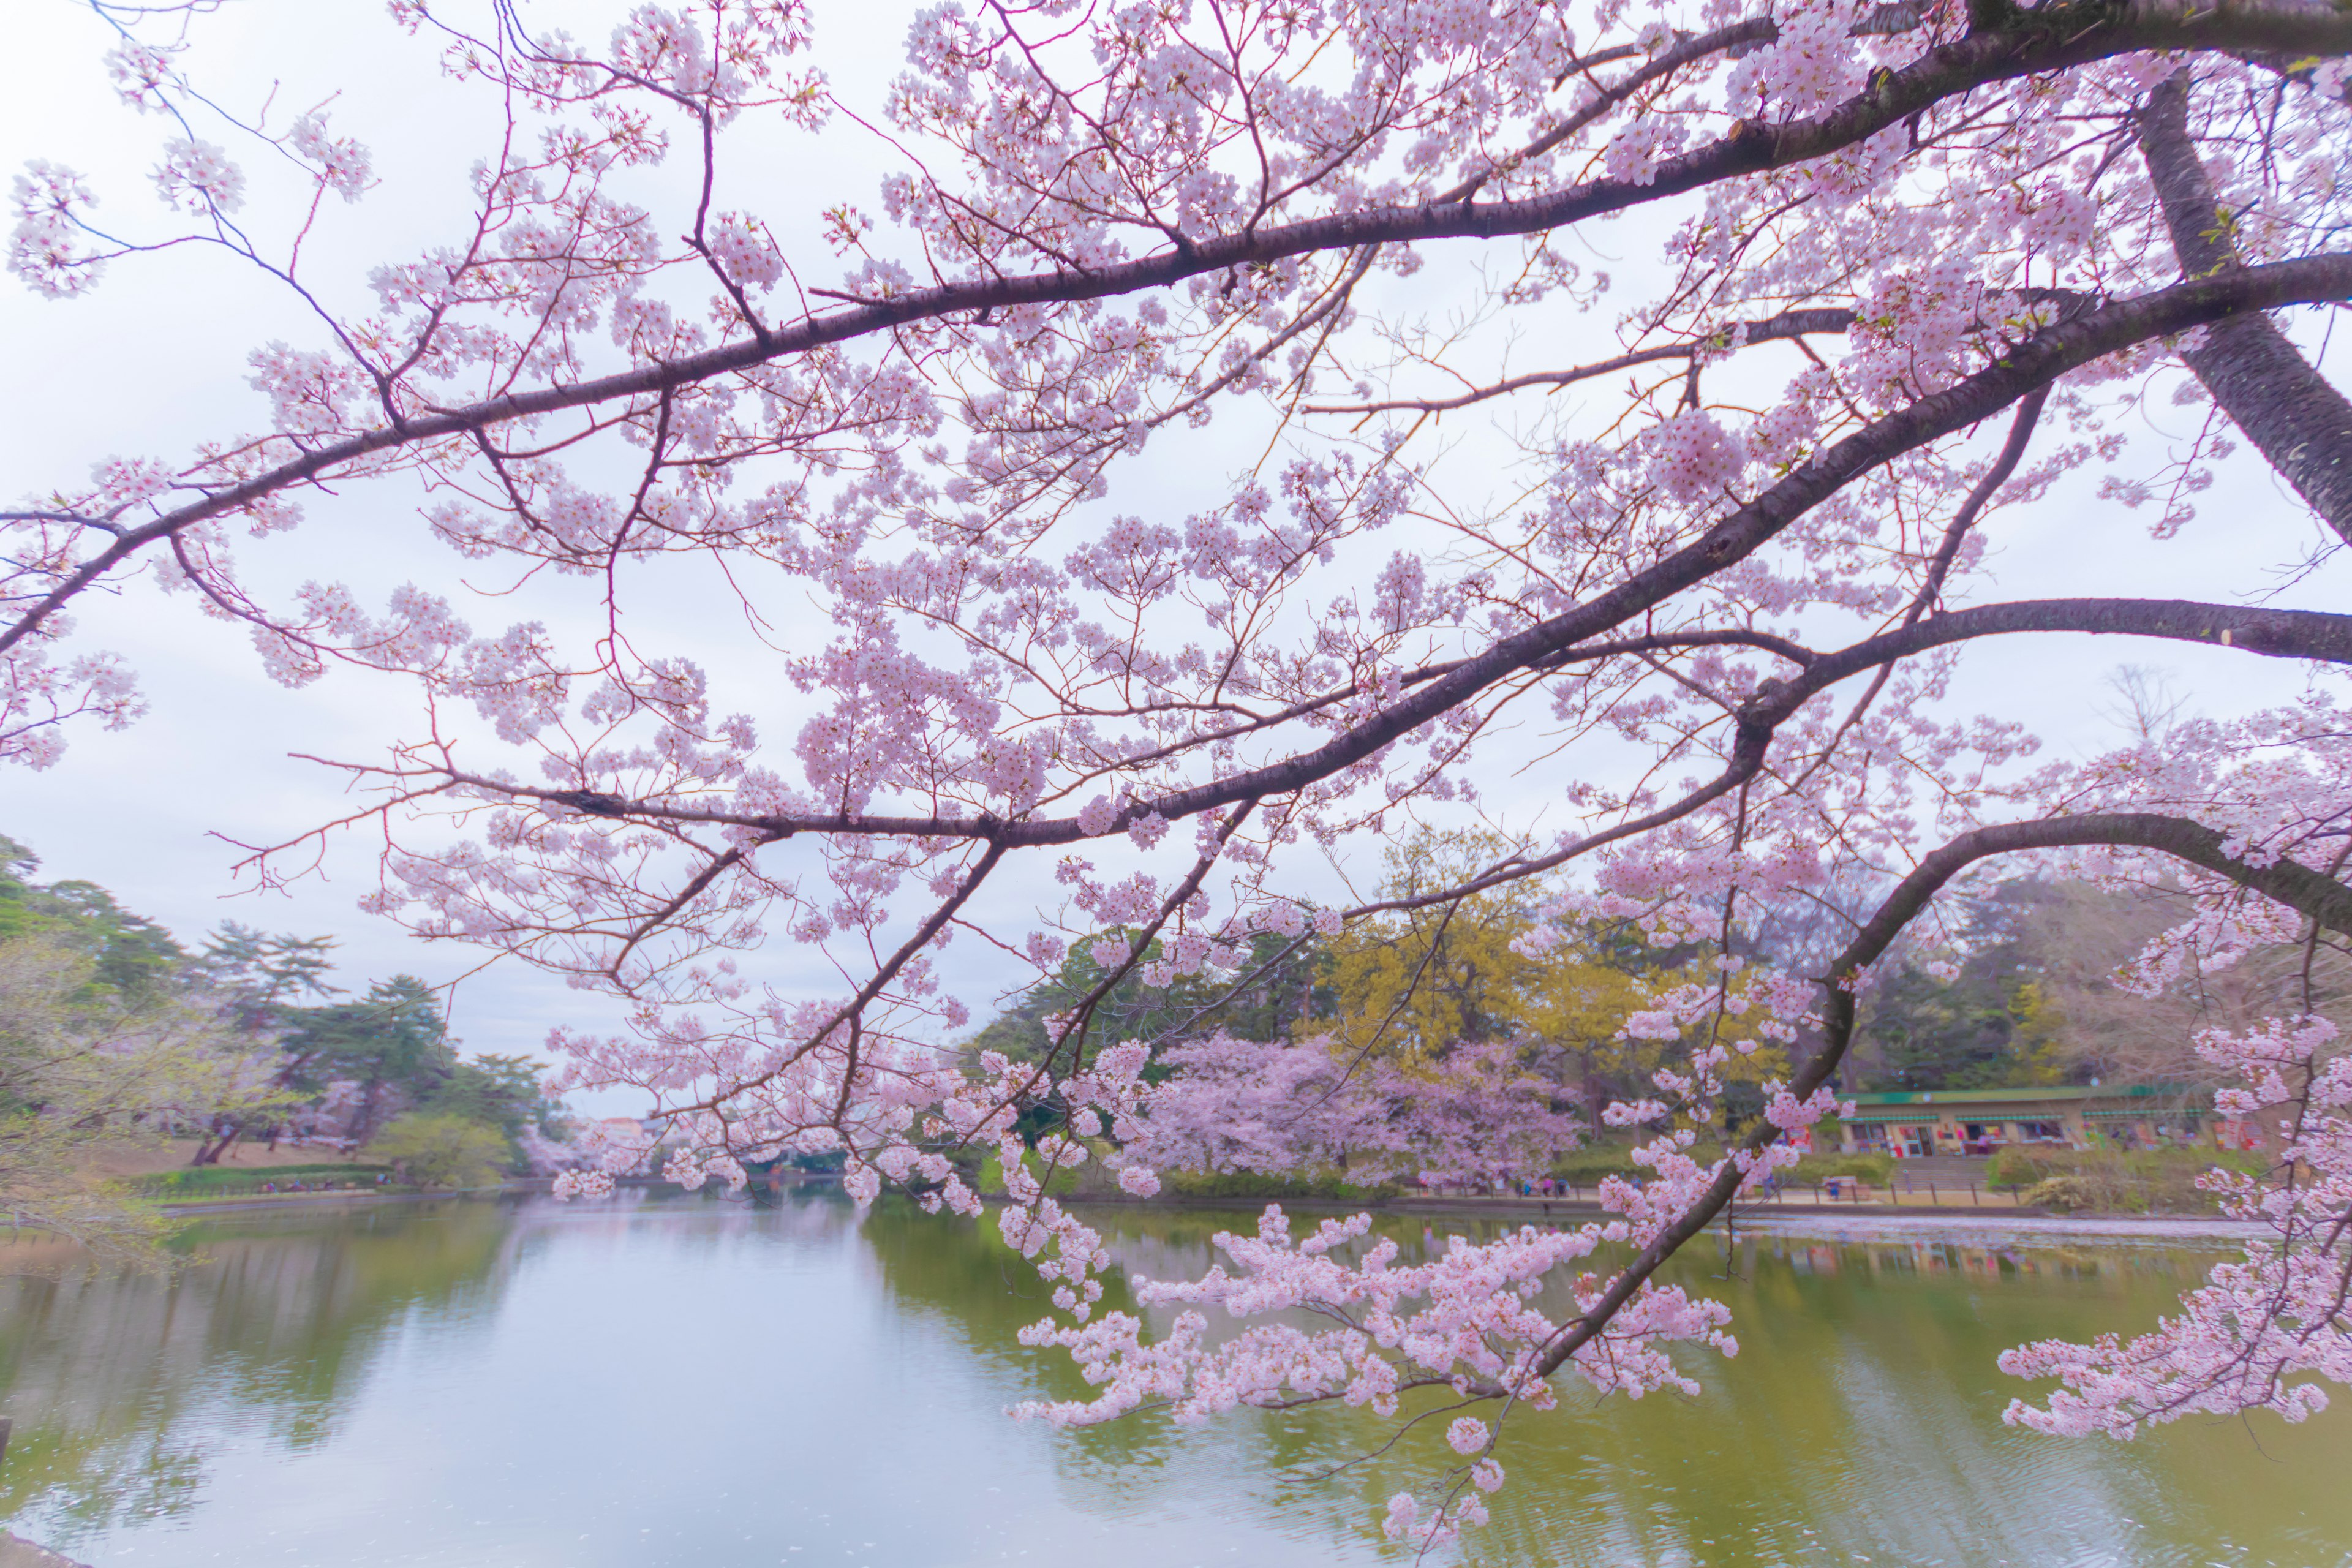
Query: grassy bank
[
  {"x": 2116, "y": 1181},
  {"x": 201, "y": 1181}
]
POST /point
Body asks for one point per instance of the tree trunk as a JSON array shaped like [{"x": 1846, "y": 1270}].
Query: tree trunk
[
  {"x": 211, "y": 1147},
  {"x": 364, "y": 1123}
]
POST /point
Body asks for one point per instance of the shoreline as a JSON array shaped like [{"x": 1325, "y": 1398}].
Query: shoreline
[
  {"x": 1893, "y": 1224},
  {"x": 1835, "y": 1222},
  {"x": 16, "y": 1551},
  {"x": 283, "y": 1200},
  {"x": 1839, "y": 1221}
]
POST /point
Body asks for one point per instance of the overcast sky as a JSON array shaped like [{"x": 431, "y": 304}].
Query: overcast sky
[{"x": 156, "y": 360}]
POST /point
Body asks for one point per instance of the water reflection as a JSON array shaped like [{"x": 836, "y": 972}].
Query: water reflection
[
  {"x": 682, "y": 1380},
  {"x": 109, "y": 1375}
]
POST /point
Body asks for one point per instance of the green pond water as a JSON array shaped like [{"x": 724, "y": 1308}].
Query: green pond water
[{"x": 688, "y": 1381}]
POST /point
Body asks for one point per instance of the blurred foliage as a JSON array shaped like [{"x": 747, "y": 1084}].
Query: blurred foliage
[
  {"x": 85, "y": 1064},
  {"x": 441, "y": 1151},
  {"x": 1878, "y": 1169}
]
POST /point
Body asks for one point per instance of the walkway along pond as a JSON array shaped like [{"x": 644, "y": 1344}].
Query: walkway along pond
[{"x": 682, "y": 1380}]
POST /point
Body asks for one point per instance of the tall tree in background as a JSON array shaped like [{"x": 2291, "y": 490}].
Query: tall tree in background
[
  {"x": 391, "y": 1042},
  {"x": 108, "y": 1039},
  {"x": 129, "y": 955},
  {"x": 260, "y": 983},
  {"x": 1576, "y": 1001},
  {"x": 232, "y": 1043},
  {"x": 1279, "y": 991},
  {"x": 1982, "y": 1021},
  {"x": 82, "y": 1066},
  {"x": 263, "y": 978},
  {"x": 1424, "y": 968},
  {"x": 503, "y": 1091},
  {"x": 2121, "y": 991}
]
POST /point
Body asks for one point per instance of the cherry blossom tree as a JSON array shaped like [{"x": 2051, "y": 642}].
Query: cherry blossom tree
[
  {"x": 1903, "y": 271},
  {"x": 1479, "y": 1114}
]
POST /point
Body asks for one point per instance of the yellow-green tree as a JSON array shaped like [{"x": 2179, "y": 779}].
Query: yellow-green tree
[
  {"x": 1411, "y": 981},
  {"x": 1576, "y": 1001},
  {"x": 441, "y": 1151},
  {"x": 83, "y": 1064}
]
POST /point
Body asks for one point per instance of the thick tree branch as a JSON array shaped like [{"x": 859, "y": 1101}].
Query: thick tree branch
[
  {"x": 2279, "y": 634},
  {"x": 2052, "y": 352},
  {"x": 2298, "y": 419}
]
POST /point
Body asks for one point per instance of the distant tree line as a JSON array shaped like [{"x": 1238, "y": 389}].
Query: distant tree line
[
  {"x": 2019, "y": 988},
  {"x": 111, "y": 1032}
]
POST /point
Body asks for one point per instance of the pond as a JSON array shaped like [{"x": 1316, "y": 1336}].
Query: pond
[{"x": 675, "y": 1380}]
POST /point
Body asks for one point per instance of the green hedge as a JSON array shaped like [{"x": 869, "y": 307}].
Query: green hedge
[
  {"x": 1255, "y": 1188},
  {"x": 1878, "y": 1169},
  {"x": 1062, "y": 1184},
  {"x": 201, "y": 1181}
]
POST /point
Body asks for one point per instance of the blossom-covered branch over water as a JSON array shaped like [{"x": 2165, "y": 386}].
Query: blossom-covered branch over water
[{"x": 1716, "y": 524}]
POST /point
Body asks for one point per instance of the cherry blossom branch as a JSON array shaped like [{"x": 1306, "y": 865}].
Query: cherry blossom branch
[
  {"x": 1788, "y": 324},
  {"x": 2029, "y": 43},
  {"x": 2317, "y": 896}
]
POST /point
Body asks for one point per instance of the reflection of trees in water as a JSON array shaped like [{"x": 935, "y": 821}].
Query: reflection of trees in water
[
  {"x": 110, "y": 1374},
  {"x": 1865, "y": 1407},
  {"x": 1863, "y": 1415}
]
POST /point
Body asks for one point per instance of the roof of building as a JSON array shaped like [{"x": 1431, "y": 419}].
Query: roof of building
[{"x": 2050, "y": 1094}]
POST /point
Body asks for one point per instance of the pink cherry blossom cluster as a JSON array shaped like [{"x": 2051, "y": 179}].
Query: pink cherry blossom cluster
[
  {"x": 601, "y": 1150},
  {"x": 48, "y": 246},
  {"x": 1469, "y": 1321},
  {"x": 2263, "y": 1334},
  {"x": 39, "y": 696}
]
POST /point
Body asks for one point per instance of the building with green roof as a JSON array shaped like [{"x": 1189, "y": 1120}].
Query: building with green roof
[{"x": 1979, "y": 1120}]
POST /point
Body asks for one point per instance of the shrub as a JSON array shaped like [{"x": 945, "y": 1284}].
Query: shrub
[
  {"x": 2064, "y": 1194},
  {"x": 441, "y": 1151},
  {"x": 2016, "y": 1168}
]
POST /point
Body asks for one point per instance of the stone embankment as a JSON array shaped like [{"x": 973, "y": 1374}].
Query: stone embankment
[{"x": 16, "y": 1551}]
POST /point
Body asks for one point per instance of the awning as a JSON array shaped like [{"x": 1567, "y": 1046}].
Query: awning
[{"x": 1922, "y": 1118}]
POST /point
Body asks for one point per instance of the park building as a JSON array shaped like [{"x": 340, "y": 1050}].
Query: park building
[{"x": 1928, "y": 1122}]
